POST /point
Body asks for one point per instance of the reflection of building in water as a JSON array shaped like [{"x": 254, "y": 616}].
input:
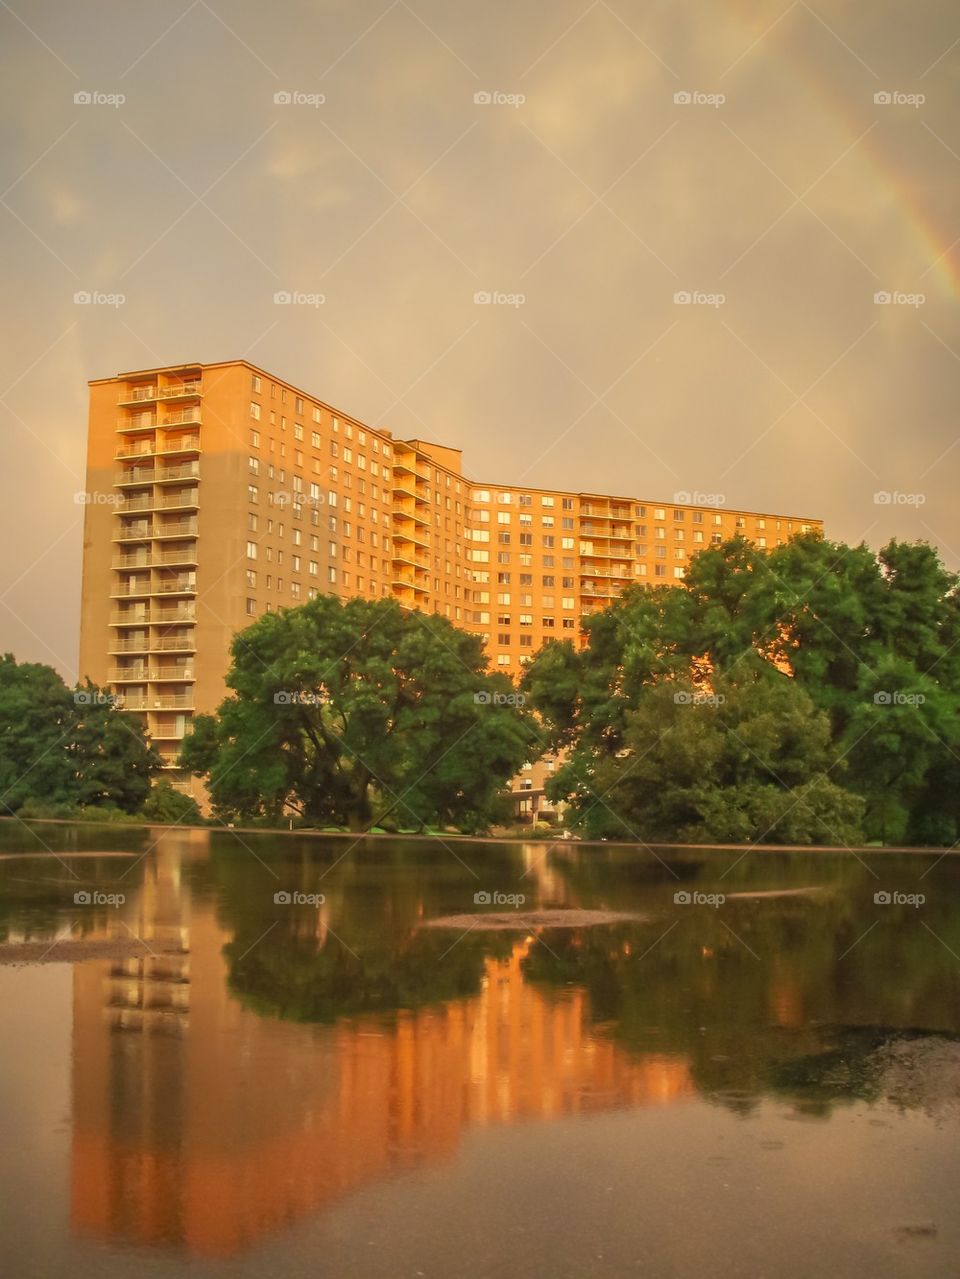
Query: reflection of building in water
[{"x": 198, "y": 1124}]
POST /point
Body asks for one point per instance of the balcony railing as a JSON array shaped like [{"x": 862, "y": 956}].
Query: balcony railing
[
  {"x": 146, "y": 532},
  {"x": 135, "y": 475},
  {"x": 172, "y": 559},
  {"x": 179, "y": 416},
  {"x": 185, "y": 471},
  {"x": 184, "y": 444},
  {"x": 176, "y": 528},
  {"x": 137, "y": 394},
  {"x": 145, "y": 674},
  {"x": 168, "y": 644},
  {"x": 137, "y": 422},
  {"x": 172, "y": 502},
  {"x": 163, "y": 702},
  {"x": 152, "y": 617},
  {"x": 174, "y": 392},
  {"x": 175, "y": 588}
]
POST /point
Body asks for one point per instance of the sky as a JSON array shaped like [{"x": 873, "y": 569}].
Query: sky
[{"x": 708, "y": 246}]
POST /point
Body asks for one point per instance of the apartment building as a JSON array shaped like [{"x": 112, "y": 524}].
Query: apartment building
[{"x": 218, "y": 492}]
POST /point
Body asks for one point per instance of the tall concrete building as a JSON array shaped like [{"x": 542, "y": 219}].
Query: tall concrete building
[{"x": 218, "y": 492}]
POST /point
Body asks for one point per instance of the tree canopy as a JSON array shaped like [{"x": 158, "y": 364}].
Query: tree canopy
[
  {"x": 358, "y": 712},
  {"x": 802, "y": 693},
  {"x": 67, "y": 747}
]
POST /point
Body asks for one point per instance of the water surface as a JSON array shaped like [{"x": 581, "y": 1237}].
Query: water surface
[{"x": 270, "y": 1054}]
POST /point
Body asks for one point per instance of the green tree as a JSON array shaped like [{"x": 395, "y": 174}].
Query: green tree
[
  {"x": 747, "y": 761},
  {"x": 354, "y": 712},
  {"x": 872, "y": 639},
  {"x": 63, "y": 747},
  {"x": 170, "y": 806}
]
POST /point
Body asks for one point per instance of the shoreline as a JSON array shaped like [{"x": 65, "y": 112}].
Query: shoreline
[{"x": 857, "y": 849}]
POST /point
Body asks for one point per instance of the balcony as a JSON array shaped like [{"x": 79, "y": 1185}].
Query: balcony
[
  {"x": 135, "y": 475},
  {"x": 623, "y": 514},
  {"x": 185, "y": 471},
  {"x": 166, "y": 502},
  {"x": 138, "y": 395},
  {"x": 167, "y": 644},
  {"x": 179, "y": 587},
  {"x": 179, "y": 416},
  {"x": 137, "y": 422},
  {"x": 163, "y": 702},
  {"x": 176, "y": 528},
  {"x": 168, "y": 559},
  {"x": 180, "y": 390},
  {"x": 166, "y": 448},
  {"x": 157, "y": 674},
  {"x": 624, "y": 532},
  {"x": 169, "y": 733},
  {"x": 152, "y": 617},
  {"x": 612, "y": 572}
]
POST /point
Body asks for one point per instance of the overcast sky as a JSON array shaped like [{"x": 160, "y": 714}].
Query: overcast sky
[{"x": 782, "y": 196}]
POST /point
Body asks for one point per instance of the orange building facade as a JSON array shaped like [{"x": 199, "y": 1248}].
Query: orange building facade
[{"x": 218, "y": 492}]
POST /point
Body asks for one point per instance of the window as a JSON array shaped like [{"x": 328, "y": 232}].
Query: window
[
  {"x": 253, "y": 493},
  {"x": 252, "y": 604},
  {"x": 255, "y": 411},
  {"x": 251, "y": 550},
  {"x": 254, "y": 439},
  {"x": 255, "y": 384},
  {"x": 252, "y": 578},
  {"x": 254, "y": 464},
  {"x": 298, "y": 402}
]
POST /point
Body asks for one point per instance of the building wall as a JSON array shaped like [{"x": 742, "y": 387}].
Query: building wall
[{"x": 219, "y": 492}]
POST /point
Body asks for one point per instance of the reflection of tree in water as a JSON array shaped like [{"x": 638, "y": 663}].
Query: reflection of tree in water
[
  {"x": 748, "y": 992},
  {"x": 363, "y": 951},
  {"x": 293, "y": 976}
]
